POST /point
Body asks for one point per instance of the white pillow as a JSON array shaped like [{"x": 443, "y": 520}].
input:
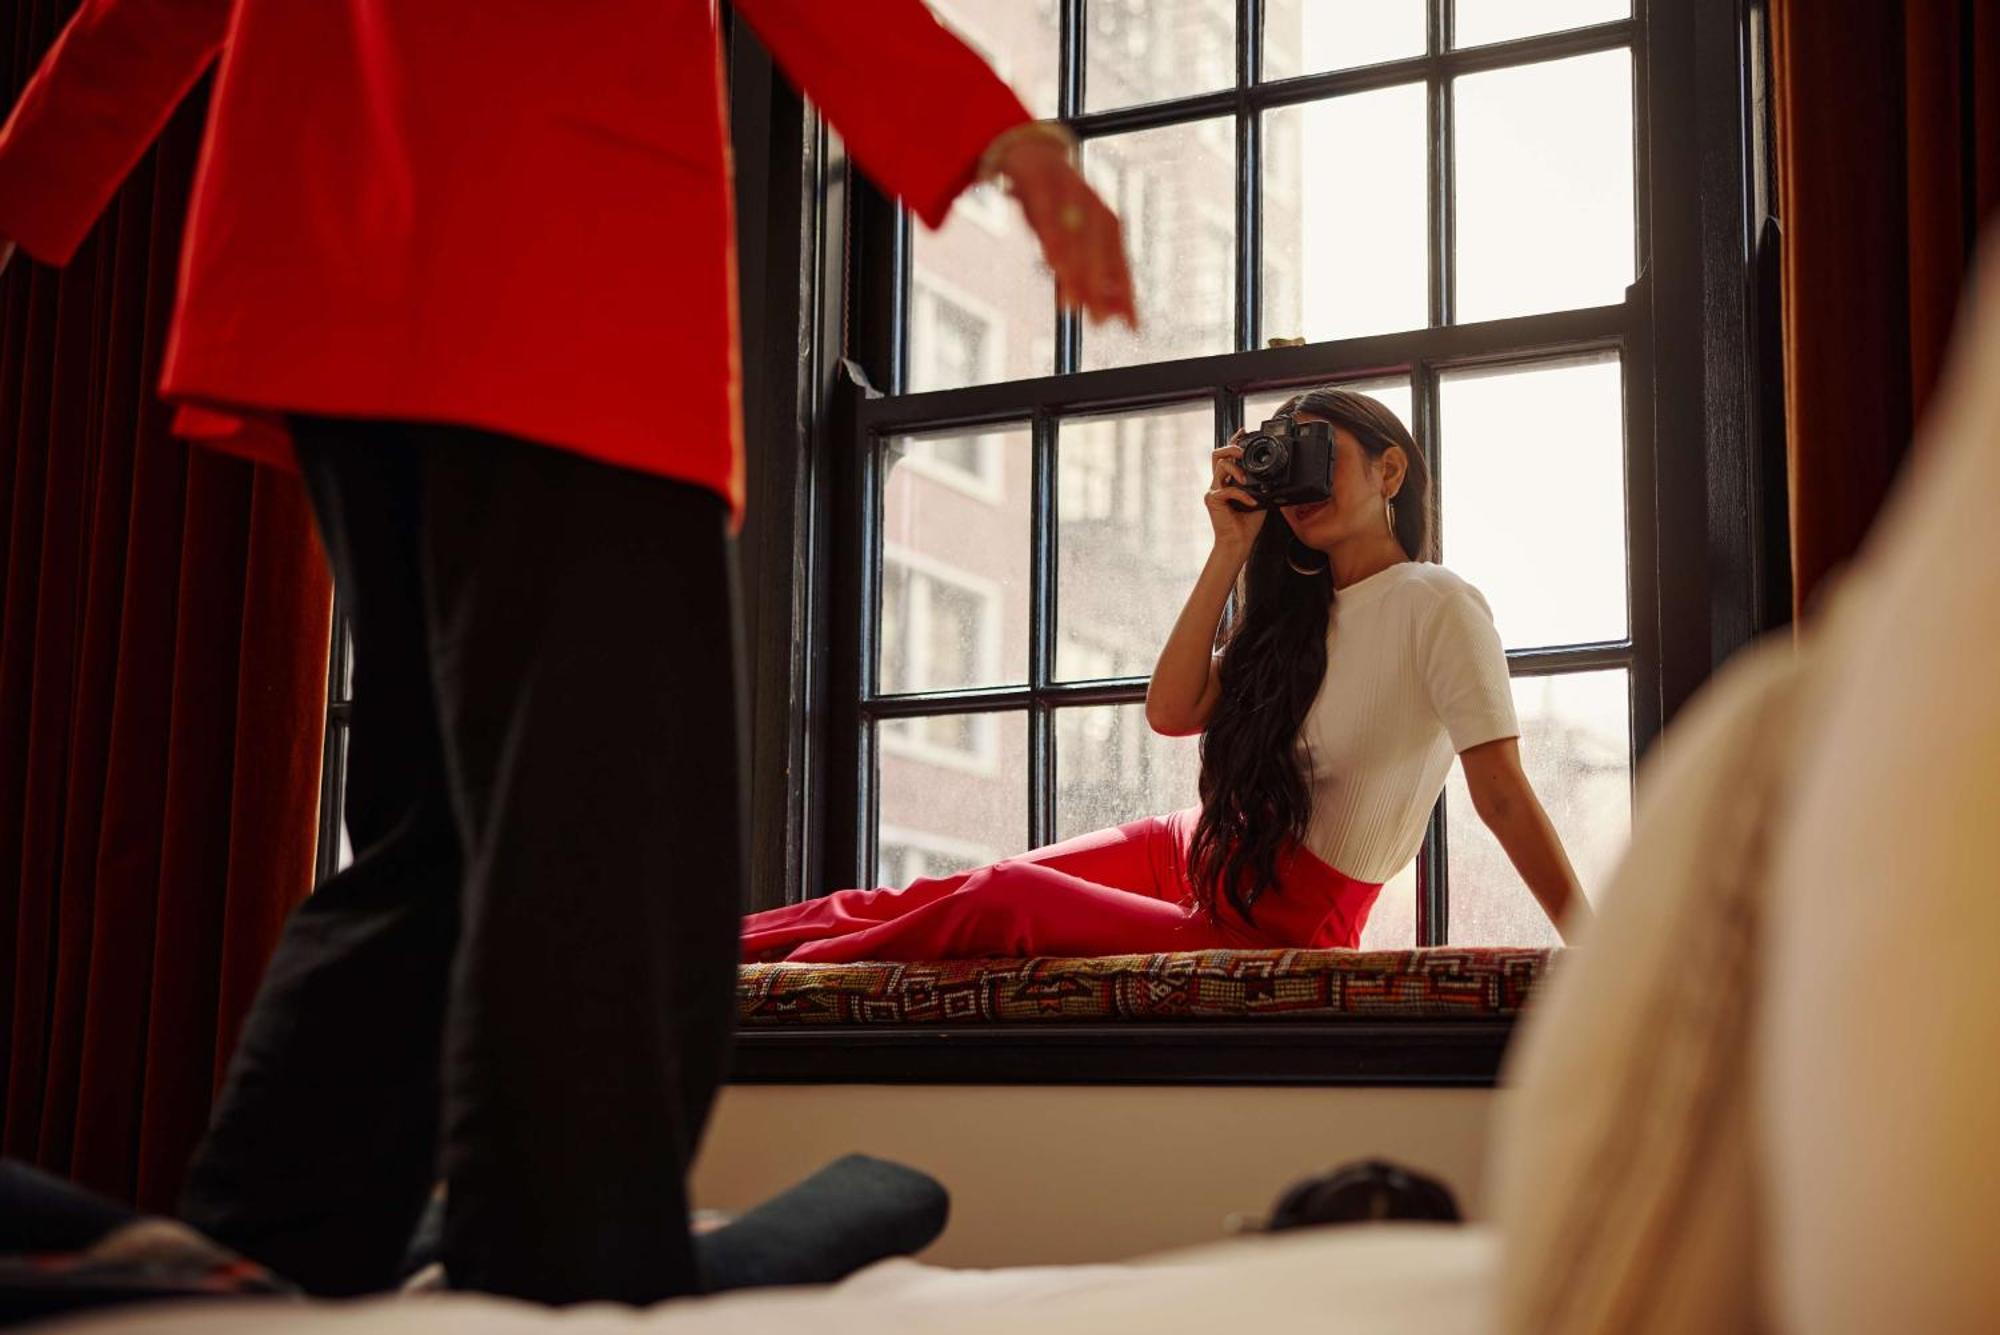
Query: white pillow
[{"x": 1880, "y": 1066}]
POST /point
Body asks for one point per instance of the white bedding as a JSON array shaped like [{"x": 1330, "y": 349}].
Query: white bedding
[{"x": 1407, "y": 1279}]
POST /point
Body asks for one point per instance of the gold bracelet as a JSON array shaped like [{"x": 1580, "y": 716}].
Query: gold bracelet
[{"x": 1053, "y": 131}]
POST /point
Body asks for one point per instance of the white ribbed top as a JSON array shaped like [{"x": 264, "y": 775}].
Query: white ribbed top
[{"x": 1415, "y": 673}]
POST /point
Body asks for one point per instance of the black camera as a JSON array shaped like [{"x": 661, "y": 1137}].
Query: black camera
[{"x": 1288, "y": 462}]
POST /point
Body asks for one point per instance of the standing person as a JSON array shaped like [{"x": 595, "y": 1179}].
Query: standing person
[
  {"x": 1329, "y": 719},
  {"x": 472, "y": 261}
]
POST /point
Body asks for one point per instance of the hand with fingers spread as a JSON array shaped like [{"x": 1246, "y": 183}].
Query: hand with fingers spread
[
  {"x": 1232, "y": 511},
  {"x": 1079, "y": 234}
]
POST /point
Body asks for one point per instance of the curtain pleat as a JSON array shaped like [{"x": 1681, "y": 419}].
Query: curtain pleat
[
  {"x": 1888, "y": 128},
  {"x": 163, "y": 642}
]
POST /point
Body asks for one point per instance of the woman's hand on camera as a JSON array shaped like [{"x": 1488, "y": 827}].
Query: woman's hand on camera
[{"x": 1232, "y": 511}]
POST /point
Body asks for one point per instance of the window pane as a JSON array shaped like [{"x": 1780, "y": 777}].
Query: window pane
[
  {"x": 1313, "y": 36},
  {"x": 1393, "y": 395},
  {"x": 1576, "y": 747},
  {"x": 954, "y": 560},
  {"x": 1345, "y": 235},
  {"x": 1480, "y": 21},
  {"x": 1392, "y": 923},
  {"x": 952, "y": 793},
  {"x": 1020, "y": 40},
  {"x": 1131, "y": 535},
  {"x": 1544, "y": 176},
  {"x": 982, "y": 305},
  {"x": 1533, "y": 464},
  {"x": 1111, "y": 768},
  {"x": 1175, "y": 190},
  {"x": 1151, "y": 50}
]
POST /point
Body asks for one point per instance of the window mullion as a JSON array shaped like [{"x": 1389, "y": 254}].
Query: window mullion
[
  {"x": 1042, "y": 614},
  {"x": 867, "y": 789},
  {"x": 1439, "y": 169},
  {"x": 1069, "y": 69},
  {"x": 1069, "y": 105},
  {"x": 1433, "y": 869},
  {"x": 901, "y": 262},
  {"x": 1433, "y": 883},
  {"x": 1433, "y": 926},
  {"x": 1249, "y": 170}
]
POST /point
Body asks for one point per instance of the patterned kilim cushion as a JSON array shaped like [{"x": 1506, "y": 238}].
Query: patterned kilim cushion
[{"x": 1440, "y": 982}]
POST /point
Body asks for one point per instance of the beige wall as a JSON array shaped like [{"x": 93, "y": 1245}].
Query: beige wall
[{"x": 1042, "y": 1174}]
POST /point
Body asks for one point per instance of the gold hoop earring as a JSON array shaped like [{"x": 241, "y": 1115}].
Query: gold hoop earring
[{"x": 1292, "y": 560}]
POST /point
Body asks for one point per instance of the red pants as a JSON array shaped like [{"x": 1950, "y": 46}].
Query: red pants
[{"x": 1111, "y": 892}]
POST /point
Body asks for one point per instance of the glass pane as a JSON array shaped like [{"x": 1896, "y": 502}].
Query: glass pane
[
  {"x": 1175, "y": 190},
  {"x": 1392, "y": 923},
  {"x": 1020, "y": 40},
  {"x": 1111, "y": 768},
  {"x": 952, "y": 793},
  {"x": 1339, "y": 262},
  {"x": 1480, "y": 21},
  {"x": 1576, "y": 746},
  {"x": 1544, "y": 176},
  {"x": 1393, "y": 395},
  {"x": 1131, "y": 535},
  {"x": 982, "y": 305},
  {"x": 1533, "y": 464},
  {"x": 1313, "y": 36},
  {"x": 954, "y": 560},
  {"x": 1151, "y": 50}
]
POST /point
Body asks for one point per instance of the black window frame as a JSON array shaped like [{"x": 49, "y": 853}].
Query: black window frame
[
  {"x": 1424, "y": 356},
  {"x": 1700, "y": 541}
]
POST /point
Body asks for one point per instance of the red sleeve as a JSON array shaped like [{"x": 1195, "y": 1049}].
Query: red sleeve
[
  {"x": 916, "y": 106},
  {"x": 98, "y": 101}
]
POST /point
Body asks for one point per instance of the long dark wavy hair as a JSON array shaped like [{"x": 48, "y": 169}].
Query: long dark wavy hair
[{"x": 1254, "y": 798}]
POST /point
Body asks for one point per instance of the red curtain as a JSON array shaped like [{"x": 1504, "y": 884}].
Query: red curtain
[
  {"x": 1888, "y": 127},
  {"x": 163, "y": 642}
]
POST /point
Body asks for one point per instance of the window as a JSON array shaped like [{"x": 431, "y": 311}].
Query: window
[
  {"x": 1448, "y": 220},
  {"x": 1264, "y": 154}
]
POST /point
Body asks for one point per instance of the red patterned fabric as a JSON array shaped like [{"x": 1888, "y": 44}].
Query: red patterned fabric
[{"x": 1440, "y": 982}]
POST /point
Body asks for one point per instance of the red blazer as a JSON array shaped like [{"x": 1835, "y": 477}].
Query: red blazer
[{"x": 512, "y": 214}]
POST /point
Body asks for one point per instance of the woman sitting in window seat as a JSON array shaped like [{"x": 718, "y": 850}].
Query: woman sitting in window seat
[{"x": 1329, "y": 718}]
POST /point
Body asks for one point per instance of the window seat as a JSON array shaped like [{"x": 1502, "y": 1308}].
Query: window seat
[{"x": 1463, "y": 983}]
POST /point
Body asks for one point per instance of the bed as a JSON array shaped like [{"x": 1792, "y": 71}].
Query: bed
[{"x": 1407, "y": 1279}]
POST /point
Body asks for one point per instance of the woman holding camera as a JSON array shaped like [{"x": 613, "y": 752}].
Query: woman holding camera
[{"x": 1329, "y": 719}]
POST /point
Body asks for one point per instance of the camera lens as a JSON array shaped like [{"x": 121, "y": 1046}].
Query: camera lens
[{"x": 1263, "y": 455}]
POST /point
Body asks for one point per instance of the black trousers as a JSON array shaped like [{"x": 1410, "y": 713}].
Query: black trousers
[{"x": 525, "y": 980}]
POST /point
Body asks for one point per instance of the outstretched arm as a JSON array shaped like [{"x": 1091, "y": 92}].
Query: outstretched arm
[{"x": 102, "y": 94}]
